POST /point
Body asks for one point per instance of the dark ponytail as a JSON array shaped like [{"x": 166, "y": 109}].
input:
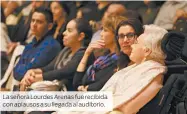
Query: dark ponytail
[{"x": 83, "y": 25}]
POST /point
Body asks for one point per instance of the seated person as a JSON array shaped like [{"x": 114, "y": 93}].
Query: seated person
[
  {"x": 20, "y": 34},
  {"x": 149, "y": 11},
  {"x": 169, "y": 12},
  {"x": 76, "y": 39},
  {"x": 136, "y": 85},
  {"x": 114, "y": 9},
  {"x": 93, "y": 78},
  {"x": 180, "y": 13},
  {"x": 180, "y": 25},
  {"x": 89, "y": 14},
  {"x": 126, "y": 34},
  {"x": 4, "y": 42},
  {"x": 60, "y": 14},
  {"x": 43, "y": 48}
]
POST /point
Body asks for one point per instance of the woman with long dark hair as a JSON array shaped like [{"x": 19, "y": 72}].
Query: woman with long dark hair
[{"x": 76, "y": 39}]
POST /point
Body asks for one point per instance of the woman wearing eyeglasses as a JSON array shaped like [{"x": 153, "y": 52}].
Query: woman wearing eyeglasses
[
  {"x": 127, "y": 33},
  {"x": 134, "y": 86}
]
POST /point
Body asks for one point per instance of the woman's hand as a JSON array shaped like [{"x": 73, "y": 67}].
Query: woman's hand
[
  {"x": 25, "y": 82},
  {"x": 82, "y": 88},
  {"x": 33, "y": 75},
  {"x": 179, "y": 13},
  {"x": 85, "y": 88},
  {"x": 30, "y": 73},
  {"x": 95, "y": 45}
]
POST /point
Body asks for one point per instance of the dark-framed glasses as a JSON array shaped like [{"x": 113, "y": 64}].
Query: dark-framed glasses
[{"x": 129, "y": 36}]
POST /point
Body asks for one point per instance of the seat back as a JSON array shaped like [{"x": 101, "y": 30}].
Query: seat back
[{"x": 174, "y": 45}]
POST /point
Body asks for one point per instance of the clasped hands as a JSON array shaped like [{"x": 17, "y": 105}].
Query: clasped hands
[{"x": 33, "y": 75}]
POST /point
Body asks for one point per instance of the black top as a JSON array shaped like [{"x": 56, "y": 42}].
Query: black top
[
  {"x": 67, "y": 71},
  {"x": 101, "y": 76}
]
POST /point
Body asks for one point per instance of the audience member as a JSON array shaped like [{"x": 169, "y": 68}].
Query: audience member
[
  {"x": 60, "y": 17},
  {"x": 20, "y": 34},
  {"x": 76, "y": 39},
  {"x": 93, "y": 78},
  {"x": 4, "y": 42},
  {"x": 149, "y": 11},
  {"x": 114, "y": 10},
  {"x": 167, "y": 13},
  {"x": 136, "y": 85},
  {"x": 43, "y": 48},
  {"x": 181, "y": 25},
  {"x": 102, "y": 6},
  {"x": 127, "y": 33}
]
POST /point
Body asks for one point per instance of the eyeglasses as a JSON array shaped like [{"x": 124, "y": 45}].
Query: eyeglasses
[{"x": 129, "y": 36}]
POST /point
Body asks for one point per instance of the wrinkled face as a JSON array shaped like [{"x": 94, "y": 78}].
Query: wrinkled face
[
  {"x": 138, "y": 50},
  {"x": 39, "y": 25},
  {"x": 71, "y": 34},
  {"x": 108, "y": 37},
  {"x": 126, "y": 37},
  {"x": 57, "y": 11}
]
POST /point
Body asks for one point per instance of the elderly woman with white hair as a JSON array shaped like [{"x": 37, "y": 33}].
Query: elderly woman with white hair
[{"x": 134, "y": 86}]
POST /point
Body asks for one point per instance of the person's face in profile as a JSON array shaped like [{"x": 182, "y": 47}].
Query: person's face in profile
[
  {"x": 108, "y": 36},
  {"x": 139, "y": 50},
  {"x": 71, "y": 35}
]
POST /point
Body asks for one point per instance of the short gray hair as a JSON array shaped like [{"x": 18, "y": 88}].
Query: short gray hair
[{"x": 153, "y": 37}]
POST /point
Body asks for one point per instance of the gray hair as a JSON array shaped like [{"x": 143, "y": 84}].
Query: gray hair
[{"x": 153, "y": 38}]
